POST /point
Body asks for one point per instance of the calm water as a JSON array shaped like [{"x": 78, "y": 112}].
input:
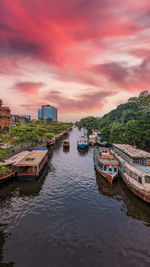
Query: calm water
[{"x": 72, "y": 217}]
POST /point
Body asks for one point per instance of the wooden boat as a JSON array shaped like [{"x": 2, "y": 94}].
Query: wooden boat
[
  {"x": 134, "y": 169},
  {"x": 50, "y": 143},
  {"x": 82, "y": 142},
  {"x": 32, "y": 165},
  {"x": 8, "y": 176},
  {"x": 66, "y": 143},
  {"x": 106, "y": 164}
]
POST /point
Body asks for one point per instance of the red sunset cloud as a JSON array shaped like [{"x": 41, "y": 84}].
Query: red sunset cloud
[{"x": 103, "y": 45}]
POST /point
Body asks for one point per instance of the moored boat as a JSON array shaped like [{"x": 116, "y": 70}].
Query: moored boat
[
  {"x": 92, "y": 140},
  {"x": 97, "y": 134},
  {"x": 82, "y": 142},
  {"x": 32, "y": 165},
  {"x": 66, "y": 143},
  {"x": 134, "y": 169},
  {"x": 7, "y": 176},
  {"x": 50, "y": 143},
  {"x": 106, "y": 164}
]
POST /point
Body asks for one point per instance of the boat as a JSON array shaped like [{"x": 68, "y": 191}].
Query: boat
[
  {"x": 66, "y": 143},
  {"x": 8, "y": 176},
  {"x": 106, "y": 164},
  {"x": 97, "y": 134},
  {"x": 92, "y": 139},
  {"x": 104, "y": 144},
  {"x": 82, "y": 142},
  {"x": 50, "y": 143},
  {"x": 134, "y": 169},
  {"x": 31, "y": 166}
]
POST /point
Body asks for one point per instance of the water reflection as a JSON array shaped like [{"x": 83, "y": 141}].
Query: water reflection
[
  {"x": 71, "y": 216},
  {"x": 134, "y": 207},
  {"x": 82, "y": 152}
]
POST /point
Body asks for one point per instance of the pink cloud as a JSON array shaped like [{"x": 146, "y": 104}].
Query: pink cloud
[
  {"x": 70, "y": 38},
  {"x": 88, "y": 101}
]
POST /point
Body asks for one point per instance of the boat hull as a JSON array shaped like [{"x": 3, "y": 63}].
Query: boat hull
[
  {"x": 8, "y": 177},
  {"x": 82, "y": 146},
  {"x": 107, "y": 176},
  {"x": 135, "y": 190}
]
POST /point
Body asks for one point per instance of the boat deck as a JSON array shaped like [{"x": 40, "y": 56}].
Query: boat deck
[{"x": 108, "y": 161}]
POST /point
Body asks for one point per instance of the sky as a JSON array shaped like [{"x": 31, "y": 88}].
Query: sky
[{"x": 84, "y": 57}]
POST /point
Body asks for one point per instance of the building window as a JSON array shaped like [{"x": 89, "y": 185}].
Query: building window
[
  {"x": 115, "y": 169},
  {"x": 110, "y": 169}
]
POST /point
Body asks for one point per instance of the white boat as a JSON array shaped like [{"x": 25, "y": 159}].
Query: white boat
[
  {"x": 98, "y": 135},
  {"x": 92, "y": 139},
  {"x": 106, "y": 164},
  {"x": 135, "y": 169}
]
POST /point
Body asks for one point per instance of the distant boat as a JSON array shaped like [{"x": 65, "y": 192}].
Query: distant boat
[
  {"x": 92, "y": 139},
  {"x": 82, "y": 142},
  {"x": 104, "y": 144},
  {"x": 50, "y": 143},
  {"x": 106, "y": 164},
  {"x": 97, "y": 134},
  {"x": 66, "y": 143}
]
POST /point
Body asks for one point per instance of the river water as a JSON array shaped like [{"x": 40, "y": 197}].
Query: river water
[{"x": 72, "y": 217}]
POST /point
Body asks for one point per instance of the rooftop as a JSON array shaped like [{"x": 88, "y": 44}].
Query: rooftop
[
  {"x": 132, "y": 151},
  {"x": 33, "y": 158}
]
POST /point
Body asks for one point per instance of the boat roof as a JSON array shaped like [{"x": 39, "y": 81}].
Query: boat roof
[
  {"x": 132, "y": 151},
  {"x": 33, "y": 158},
  {"x": 66, "y": 140},
  {"x": 107, "y": 161},
  {"x": 16, "y": 158}
]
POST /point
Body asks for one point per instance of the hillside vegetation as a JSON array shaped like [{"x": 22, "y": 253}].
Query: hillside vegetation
[{"x": 128, "y": 123}]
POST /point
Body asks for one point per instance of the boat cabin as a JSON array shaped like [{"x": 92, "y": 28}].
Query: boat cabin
[
  {"x": 66, "y": 143},
  {"x": 32, "y": 164}
]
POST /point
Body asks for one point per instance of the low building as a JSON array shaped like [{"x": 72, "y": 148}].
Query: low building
[
  {"x": 48, "y": 113},
  {"x": 22, "y": 119},
  {"x": 5, "y": 116}
]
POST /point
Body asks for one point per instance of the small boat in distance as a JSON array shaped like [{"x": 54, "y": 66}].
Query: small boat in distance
[
  {"x": 66, "y": 143},
  {"x": 92, "y": 139},
  {"x": 97, "y": 134},
  {"x": 106, "y": 164},
  {"x": 32, "y": 164},
  {"x": 82, "y": 142},
  {"x": 50, "y": 143}
]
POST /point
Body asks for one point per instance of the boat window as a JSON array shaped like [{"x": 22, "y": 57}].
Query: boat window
[
  {"x": 140, "y": 180},
  {"x": 110, "y": 169},
  {"x": 135, "y": 177},
  {"x": 105, "y": 168},
  {"x": 147, "y": 179},
  {"x": 115, "y": 169}
]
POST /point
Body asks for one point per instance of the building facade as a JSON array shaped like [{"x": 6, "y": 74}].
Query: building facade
[
  {"x": 22, "y": 119},
  {"x": 5, "y": 116},
  {"x": 48, "y": 113}
]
